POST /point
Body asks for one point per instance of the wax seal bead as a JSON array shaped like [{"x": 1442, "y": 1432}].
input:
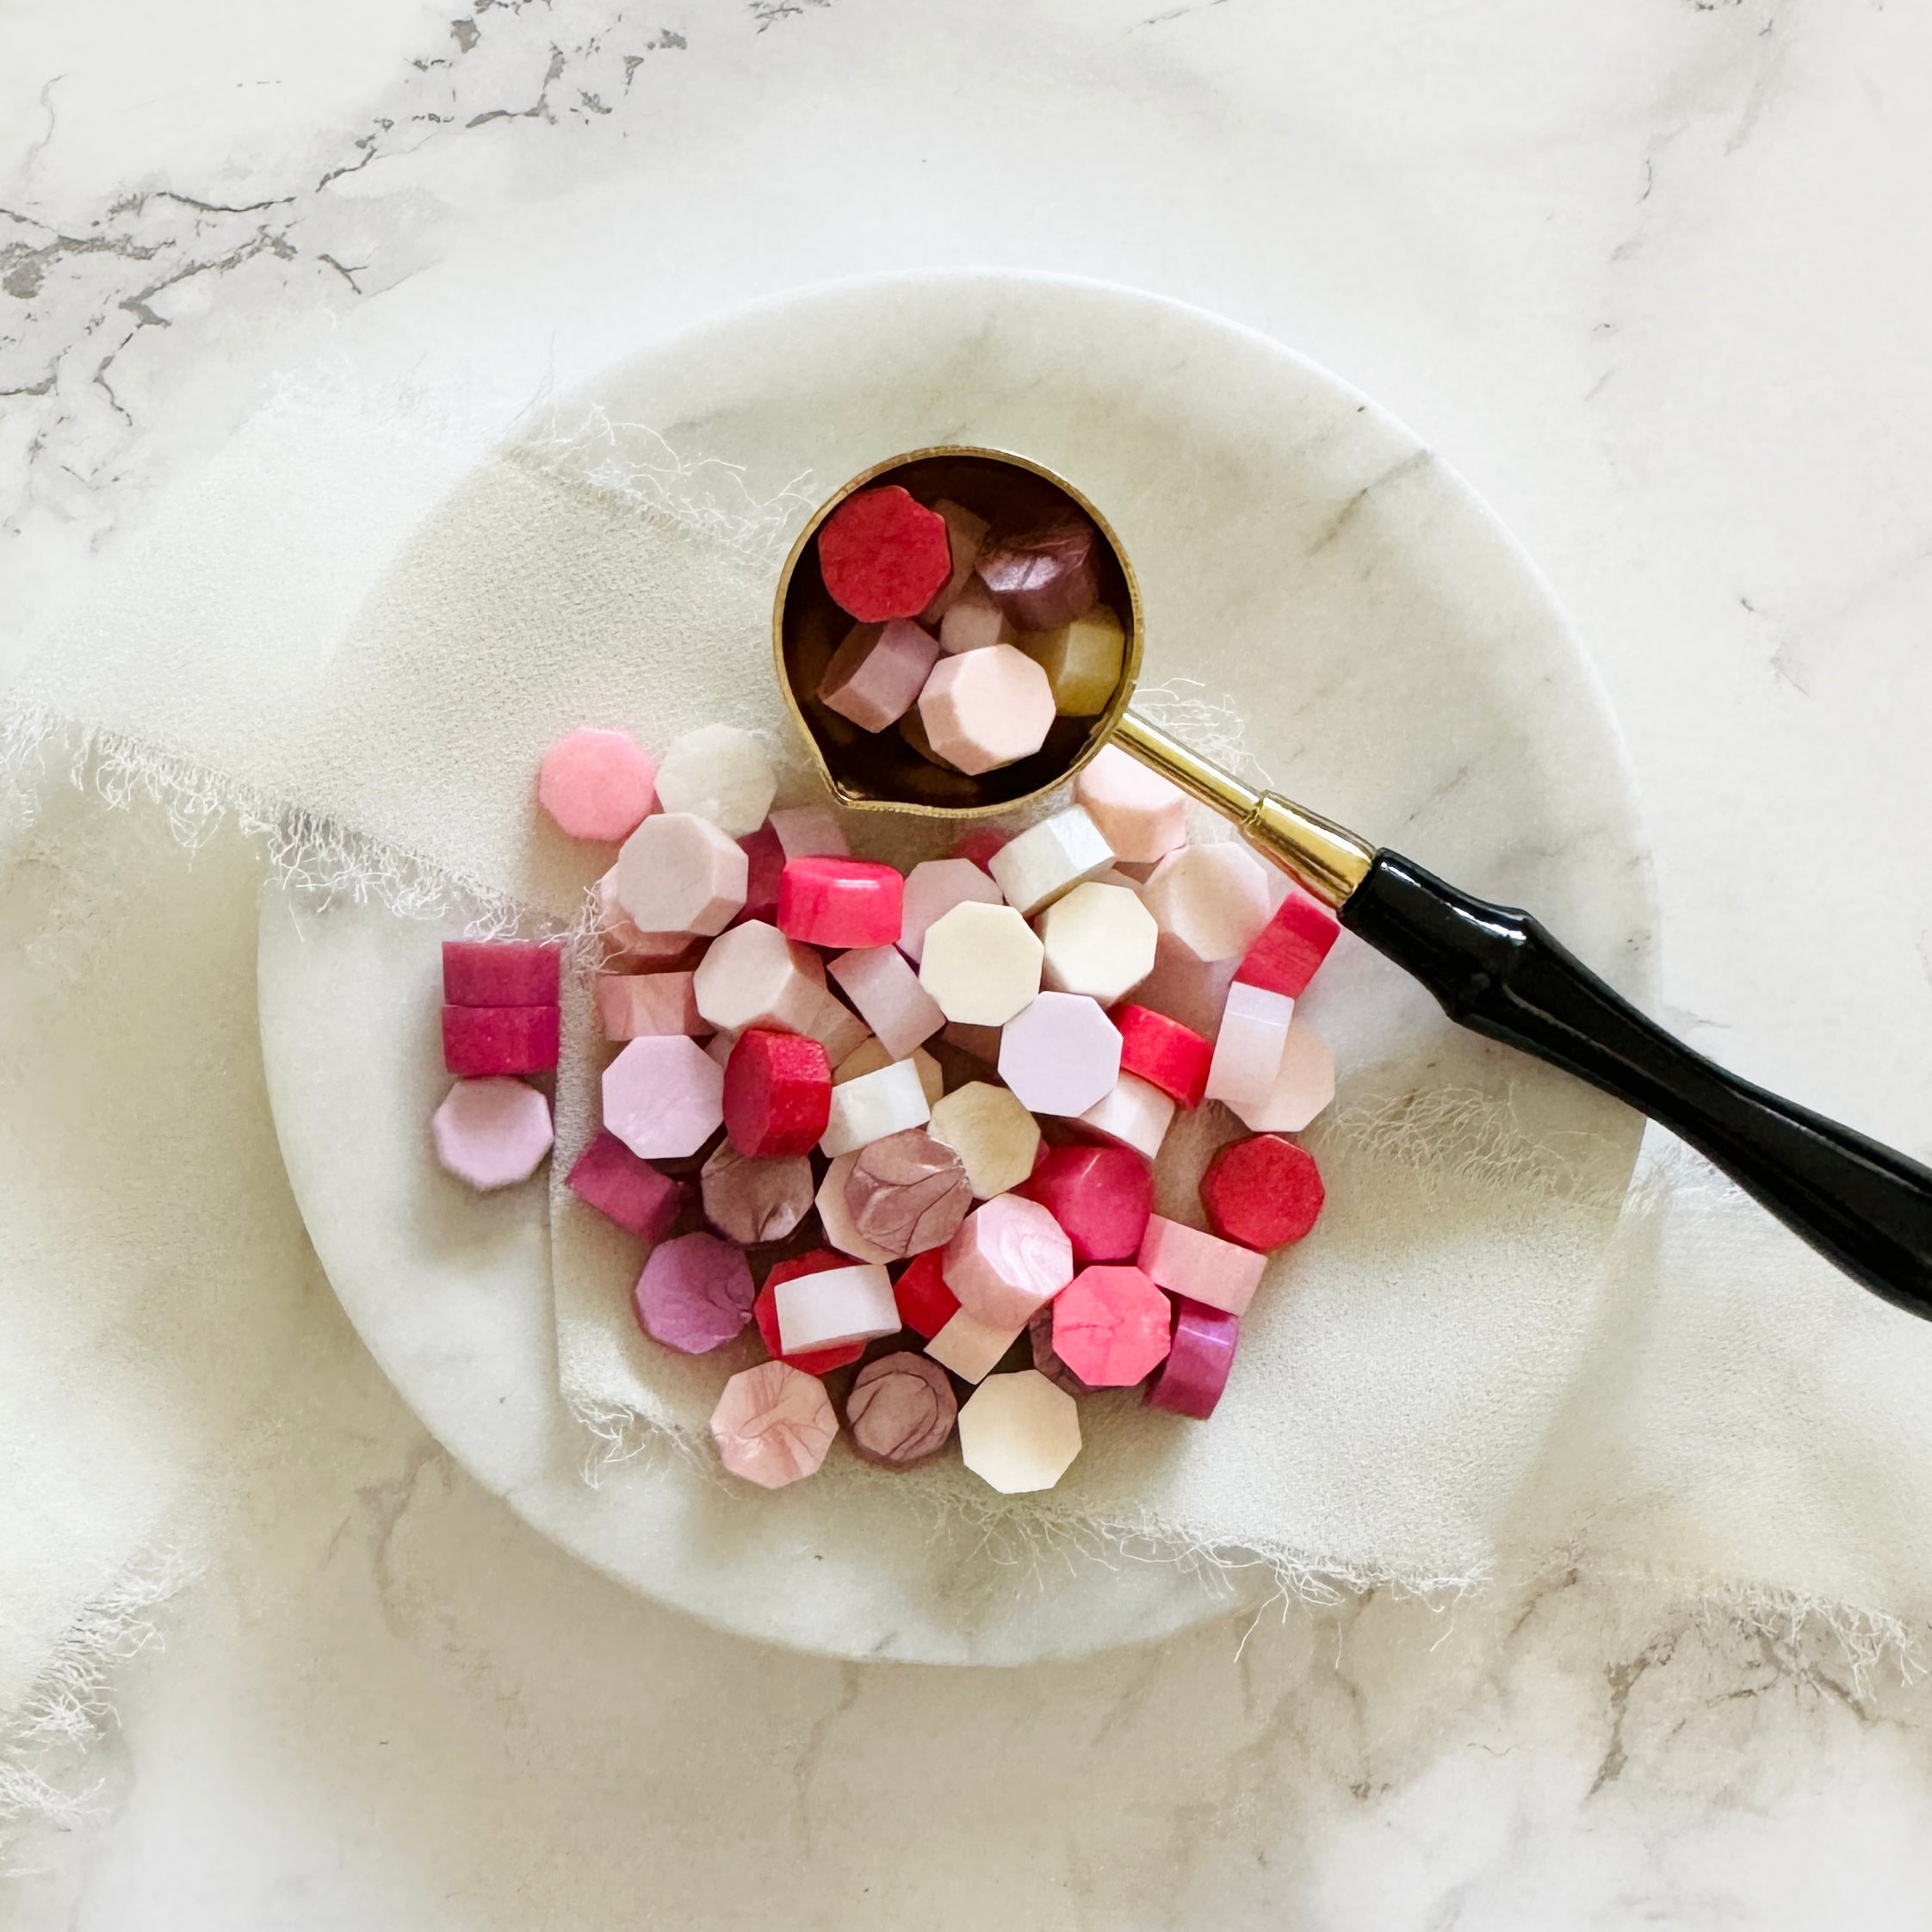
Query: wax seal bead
[
  {"x": 972, "y": 1348},
  {"x": 663, "y": 1097},
  {"x": 1043, "y": 578},
  {"x": 1009, "y": 1257},
  {"x": 501, "y": 973},
  {"x": 1158, "y": 1049},
  {"x": 841, "y": 902},
  {"x": 873, "y": 1105},
  {"x": 1099, "y": 940},
  {"x": 680, "y": 873},
  {"x": 1211, "y": 901},
  {"x": 1142, "y": 815},
  {"x": 982, "y": 710},
  {"x": 883, "y": 555},
  {"x": 993, "y": 1134},
  {"x": 1039, "y": 1336},
  {"x": 933, "y": 887},
  {"x": 765, "y": 1312},
  {"x": 1134, "y": 1113},
  {"x": 478, "y": 1042},
  {"x": 1018, "y": 1432},
  {"x": 981, "y": 963},
  {"x": 1199, "y": 1356},
  {"x": 1263, "y": 1192},
  {"x": 492, "y": 1133},
  {"x": 719, "y": 773},
  {"x": 831, "y": 1307},
  {"x": 1290, "y": 947},
  {"x": 965, "y": 533},
  {"x": 900, "y": 1410},
  {"x": 1036, "y": 866},
  {"x": 633, "y": 1006},
  {"x": 773, "y": 1425},
  {"x": 889, "y": 999},
  {"x": 1062, "y": 1055},
  {"x": 876, "y": 676},
  {"x": 596, "y": 784},
  {"x": 751, "y": 1200},
  {"x": 1101, "y": 1196},
  {"x": 753, "y": 976},
  {"x": 907, "y": 1192},
  {"x": 926, "y": 1303},
  {"x": 1304, "y": 1085},
  {"x": 609, "y": 1177},
  {"x": 776, "y": 1093},
  {"x": 1082, "y": 660},
  {"x": 695, "y": 1294},
  {"x": 1111, "y": 1327},
  {"x": 1248, "y": 1048},
  {"x": 1202, "y": 1266}
]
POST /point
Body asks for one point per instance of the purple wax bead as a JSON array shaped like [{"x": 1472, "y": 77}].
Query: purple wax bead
[
  {"x": 695, "y": 1294},
  {"x": 1043, "y": 578}
]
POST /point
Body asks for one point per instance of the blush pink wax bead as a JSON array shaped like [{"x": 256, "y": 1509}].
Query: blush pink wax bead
[
  {"x": 753, "y": 976},
  {"x": 986, "y": 709},
  {"x": 1060, "y": 1055},
  {"x": 841, "y": 902},
  {"x": 680, "y": 873},
  {"x": 875, "y": 677},
  {"x": 695, "y": 1294},
  {"x": 1111, "y": 1327},
  {"x": 596, "y": 784},
  {"x": 1143, "y": 815},
  {"x": 1211, "y": 901},
  {"x": 609, "y": 1177},
  {"x": 773, "y": 1425},
  {"x": 933, "y": 887},
  {"x": 808, "y": 832},
  {"x": 1009, "y": 1257},
  {"x": 478, "y": 1042},
  {"x": 631, "y": 1006},
  {"x": 964, "y": 534},
  {"x": 1202, "y": 1266},
  {"x": 491, "y": 1133},
  {"x": 888, "y": 997},
  {"x": 499, "y": 973},
  {"x": 663, "y": 1098},
  {"x": 1202, "y": 1352},
  {"x": 974, "y": 620},
  {"x": 624, "y": 936}
]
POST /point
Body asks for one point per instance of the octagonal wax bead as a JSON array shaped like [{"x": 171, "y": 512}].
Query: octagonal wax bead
[
  {"x": 1039, "y": 1340},
  {"x": 1037, "y": 866},
  {"x": 753, "y": 976},
  {"x": 1018, "y": 1432},
  {"x": 1248, "y": 1048},
  {"x": 478, "y": 1042},
  {"x": 1045, "y": 576},
  {"x": 841, "y": 902},
  {"x": 907, "y": 1193},
  {"x": 501, "y": 973},
  {"x": 630, "y": 1006},
  {"x": 982, "y": 965},
  {"x": 695, "y": 1294},
  {"x": 833, "y": 1306},
  {"x": 680, "y": 873},
  {"x": 996, "y": 1139},
  {"x": 1290, "y": 947},
  {"x": 870, "y": 1056},
  {"x": 1304, "y": 1085},
  {"x": 974, "y": 620},
  {"x": 873, "y": 1105},
  {"x": 1211, "y": 901},
  {"x": 1141, "y": 814},
  {"x": 1102, "y": 1196},
  {"x": 765, "y": 1313},
  {"x": 491, "y": 1133},
  {"x": 721, "y": 774},
  {"x": 596, "y": 784},
  {"x": 778, "y": 1093},
  {"x": 1263, "y": 1192},
  {"x": 751, "y": 1199},
  {"x": 1099, "y": 940},
  {"x": 1199, "y": 1356},
  {"x": 1156, "y": 1048},
  {"x": 663, "y": 1097},
  {"x": 1082, "y": 660},
  {"x": 773, "y": 1425},
  {"x": 933, "y": 887},
  {"x": 1111, "y": 1327},
  {"x": 882, "y": 555},
  {"x": 926, "y": 1303},
  {"x": 1186, "y": 988},
  {"x": 900, "y": 1410},
  {"x": 1062, "y": 1055},
  {"x": 808, "y": 832},
  {"x": 971, "y": 1349},
  {"x": 983, "y": 709},
  {"x": 965, "y": 533},
  {"x": 886, "y": 991},
  {"x": 876, "y": 676},
  {"x": 1009, "y": 1258},
  {"x": 1134, "y": 1114},
  {"x": 1202, "y": 1266},
  {"x": 765, "y": 863},
  {"x": 835, "y": 1217},
  {"x": 609, "y": 1178}
]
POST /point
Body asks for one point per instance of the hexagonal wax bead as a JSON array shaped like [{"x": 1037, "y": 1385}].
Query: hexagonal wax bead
[
  {"x": 1036, "y": 866},
  {"x": 1099, "y": 940},
  {"x": 629, "y": 1006},
  {"x": 501, "y": 972},
  {"x": 873, "y": 1105},
  {"x": 1143, "y": 815},
  {"x": 1082, "y": 660},
  {"x": 491, "y": 1133},
  {"x": 996, "y": 1139},
  {"x": 1202, "y": 1266},
  {"x": 833, "y": 1306},
  {"x": 1009, "y": 1258},
  {"x": 680, "y": 873},
  {"x": 1212, "y": 901},
  {"x": 808, "y": 832},
  {"x": 883, "y": 555},
  {"x": 773, "y": 1425},
  {"x": 1263, "y": 1192},
  {"x": 596, "y": 784},
  {"x": 974, "y": 620},
  {"x": 1304, "y": 1085},
  {"x": 971, "y": 1349},
  {"x": 778, "y": 1093},
  {"x": 982, "y": 963},
  {"x": 765, "y": 1313},
  {"x": 1102, "y": 1196},
  {"x": 750, "y": 1199},
  {"x": 609, "y": 1178},
  {"x": 663, "y": 1098},
  {"x": 721, "y": 774},
  {"x": 1248, "y": 1048},
  {"x": 964, "y": 534},
  {"x": 1134, "y": 1113},
  {"x": 986, "y": 709},
  {"x": 1062, "y": 1055},
  {"x": 695, "y": 1294},
  {"x": 1111, "y": 1327},
  {"x": 1200, "y": 1355},
  {"x": 933, "y": 887},
  {"x": 876, "y": 676},
  {"x": 1284, "y": 958},
  {"x": 753, "y": 976},
  {"x": 841, "y": 902},
  {"x": 900, "y": 1410},
  {"x": 1046, "y": 576},
  {"x": 907, "y": 1193},
  {"x": 1156, "y": 1048},
  {"x": 877, "y": 981},
  {"x": 1018, "y": 1432}
]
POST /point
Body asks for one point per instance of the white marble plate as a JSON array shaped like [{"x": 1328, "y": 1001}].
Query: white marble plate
[{"x": 1398, "y": 663}]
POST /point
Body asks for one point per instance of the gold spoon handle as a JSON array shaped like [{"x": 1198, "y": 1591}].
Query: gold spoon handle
[{"x": 1317, "y": 853}]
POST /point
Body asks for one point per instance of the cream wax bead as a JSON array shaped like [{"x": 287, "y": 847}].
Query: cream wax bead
[
  {"x": 680, "y": 873},
  {"x": 719, "y": 773},
  {"x": 1062, "y": 1055},
  {"x": 1135, "y": 1113},
  {"x": 1304, "y": 1085},
  {"x": 1248, "y": 1048},
  {"x": 629, "y": 1006},
  {"x": 873, "y": 1105},
  {"x": 1018, "y": 1432},
  {"x": 886, "y": 991},
  {"x": 933, "y": 887},
  {"x": 974, "y": 620},
  {"x": 753, "y": 976},
  {"x": 1211, "y": 901},
  {"x": 1082, "y": 660},
  {"x": 996, "y": 1139},
  {"x": 1037, "y": 865},
  {"x": 971, "y": 1349},
  {"x": 1099, "y": 940},
  {"x": 986, "y": 709},
  {"x": 1202, "y": 1266},
  {"x": 835, "y": 1306},
  {"x": 808, "y": 832},
  {"x": 1142, "y": 815},
  {"x": 982, "y": 965},
  {"x": 876, "y": 676}
]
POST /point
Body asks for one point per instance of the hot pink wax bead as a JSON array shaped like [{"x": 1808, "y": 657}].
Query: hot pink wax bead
[
  {"x": 773, "y": 1424},
  {"x": 1111, "y": 1327},
  {"x": 695, "y": 1294},
  {"x": 841, "y": 902},
  {"x": 609, "y": 1177},
  {"x": 491, "y": 1133},
  {"x": 478, "y": 1042},
  {"x": 500, "y": 973},
  {"x": 1191, "y": 1380},
  {"x": 1008, "y": 1258},
  {"x": 596, "y": 784}
]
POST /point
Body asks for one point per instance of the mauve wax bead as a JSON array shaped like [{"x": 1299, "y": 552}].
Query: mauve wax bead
[
  {"x": 482, "y": 1041},
  {"x": 750, "y": 1200},
  {"x": 882, "y": 555},
  {"x": 1043, "y": 578},
  {"x": 902, "y": 1410},
  {"x": 500, "y": 973},
  {"x": 695, "y": 1294},
  {"x": 621, "y": 1187},
  {"x": 1199, "y": 1356},
  {"x": 907, "y": 1192},
  {"x": 1101, "y": 1196}
]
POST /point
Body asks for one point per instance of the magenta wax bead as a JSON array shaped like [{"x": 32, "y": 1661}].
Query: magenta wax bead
[
  {"x": 500, "y": 973},
  {"x": 482, "y": 1041},
  {"x": 1190, "y": 1381},
  {"x": 695, "y": 1294},
  {"x": 765, "y": 863},
  {"x": 623, "y": 1189}
]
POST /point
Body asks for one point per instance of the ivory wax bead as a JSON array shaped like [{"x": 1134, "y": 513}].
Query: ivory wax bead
[
  {"x": 719, "y": 773},
  {"x": 1009, "y": 1258},
  {"x": 1202, "y": 1266},
  {"x": 1060, "y": 1055},
  {"x": 1044, "y": 577},
  {"x": 753, "y": 976},
  {"x": 1158, "y": 1049},
  {"x": 1036, "y": 866},
  {"x": 680, "y": 873},
  {"x": 1248, "y": 1048},
  {"x": 773, "y": 1425},
  {"x": 836, "y": 1218},
  {"x": 663, "y": 1097},
  {"x": 994, "y": 1136},
  {"x": 596, "y": 784},
  {"x": 974, "y": 620},
  {"x": 480, "y": 1041},
  {"x": 983, "y": 709},
  {"x": 876, "y": 676},
  {"x": 873, "y": 1105},
  {"x": 1135, "y": 1113},
  {"x": 877, "y": 981},
  {"x": 1111, "y": 1327},
  {"x": 1099, "y": 940},
  {"x": 838, "y": 1305},
  {"x": 901, "y": 1411},
  {"x": 982, "y": 965},
  {"x": 1018, "y": 1432},
  {"x": 841, "y": 902},
  {"x": 1082, "y": 660},
  {"x": 491, "y": 1133},
  {"x": 1142, "y": 815},
  {"x": 1290, "y": 948},
  {"x": 1211, "y": 901},
  {"x": 499, "y": 973},
  {"x": 750, "y": 1200},
  {"x": 1190, "y": 1382},
  {"x": 1263, "y": 1192},
  {"x": 933, "y": 887},
  {"x": 609, "y": 1178},
  {"x": 1304, "y": 1085},
  {"x": 965, "y": 533},
  {"x": 971, "y": 1349},
  {"x": 808, "y": 832},
  {"x": 870, "y": 1054},
  {"x": 629, "y": 1006}
]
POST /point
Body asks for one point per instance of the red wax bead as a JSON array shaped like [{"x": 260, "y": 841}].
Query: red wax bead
[
  {"x": 1263, "y": 1192},
  {"x": 500, "y": 973},
  {"x": 926, "y": 1303},
  {"x": 844, "y": 902},
  {"x": 1164, "y": 1053},
  {"x": 480, "y": 1040},
  {"x": 778, "y": 1093},
  {"x": 764, "y": 862},
  {"x": 1102, "y": 1196},
  {"x": 883, "y": 555},
  {"x": 631, "y": 1192},
  {"x": 1291, "y": 945},
  {"x": 980, "y": 844},
  {"x": 765, "y": 1312},
  {"x": 1190, "y": 1381}
]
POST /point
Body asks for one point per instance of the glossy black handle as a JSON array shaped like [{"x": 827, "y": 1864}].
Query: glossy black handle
[{"x": 1496, "y": 970}]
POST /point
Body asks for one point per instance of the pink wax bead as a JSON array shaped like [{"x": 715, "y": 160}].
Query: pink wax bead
[
  {"x": 630, "y": 1006},
  {"x": 1009, "y": 1257},
  {"x": 1060, "y": 1055},
  {"x": 695, "y": 1294},
  {"x": 773, "y": 1425},
  {"x": 1291, "y": 945},
  {"x": 1043, "y": 578},
  {"x": 978, "y": 845},
  {"x": 974, "y": 620},
  {"x": 491, "y": 1133},
  {"x": 933, "y": 887},
  {"x": 1190, "y": 1382},
  {"x": 1210, "y": 901},
  {"x": 629, "y": 940},
  {"x": 500, "y": 973},
  {"x": 1039, "y": 1336},
  {"x": 663, "y": 1097},
  {"x": 888, "y": 997},
  {"x": 986, "y": 709},
  {"x": 841, "y": 902},
  {"x": 1111, "y": 1327},
  {"x": 478, "y": 1042},
  {"x": 1143, "y": 815},
  {"x": 1187, "y": 989},
  {"x": 964, "y": 534},
  {"x": 809, "y": 832},
  {"x": 596, "y": 784},
  {"x": 609, "y": 1177},
  {"x": 1202, "y": 1266},
  {"x": 765, "y": 865},
  {"x": 875, "y": 675}
]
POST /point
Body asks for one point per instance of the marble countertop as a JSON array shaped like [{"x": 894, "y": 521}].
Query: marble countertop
[{"x": 1652, "y": 275}]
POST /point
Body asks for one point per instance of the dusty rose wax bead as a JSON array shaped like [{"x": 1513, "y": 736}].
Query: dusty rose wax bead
[
  {"x": 933, "y": 887},
  {"x": 630, "y": 1006},
  {"x": 926, "y": 1303},
  {"x": 1159, "y": 1049},
  {"x": 753, "y": 976},
  {"x": 1009, "y": 1257},
  {"x": 663, "y": 1098},
  {"x": 1039, "y": 1336},
  {"x": 680, "y": 873},
  {"x": 1133, "y": 1114},
  {"x": 808, "y": 832},
  {"x": 1143, "y": 815},
  {"x": 765, "y": 865},
  {"x": 1202, "y": 1352},
  {"x": 1111, "y": 1327},
  {"x": 983, "y": 709},
  {"x": 750, "y": 1200},
  {"x": 883, "y": 555},
  {"x": 1062, "y": 1055},
  {"x": 609, "y": 1178},
  {"x": 777, "y": 1095},
  {"x": 491, "y": 1133},
  {"x": 876, "y": 676},
  {"x": 596, "y": 784},
  {"x": 695, "y": 1294},
  {"x": 901, "y": 1411},
  {"x": 1291, "y": 946},
  {"x": 500, "y": 973},
  {"x": 1202, "y": 1266},
  {"x": 478, "y": 1042},
  {"x": 907, "y": 1192},
  {"x": 1263, "y": 1192},
  {"x": 1043, "y": 578},
  {"x": 1211, "y": 901},
  {"x": 888, "y": 997},
  {"x": 835, "y": 1217},
  {"x": 773, "y": 1425},
  {"x": 765, "y": 1313},
  {"x": 841, "y": 902},
  {"x": 1101, "y": 1196}
]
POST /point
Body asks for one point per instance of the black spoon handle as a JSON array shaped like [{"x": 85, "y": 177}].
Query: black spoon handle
[{"x": 1496, "y": 971}]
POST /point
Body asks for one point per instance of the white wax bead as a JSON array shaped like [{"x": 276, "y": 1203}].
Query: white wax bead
[
  {"x": 996, "y": 1139},
  {"x": 970, "y": 1347},
  {"x": 1248, "y": 1050},
  {"x": 1018, "y": 1432},
  {"x": 1050, "y": 859},
  {"x": 833, "y": 1307},
  {"x": 1211, "y": 901},
  {"x": 873, "y": 1105},
  {"x": 719, "y": 773},
  {"x": 1304, "y": 1084},
  {"x": 1135, "y": 1113},
  {"x": 1099, "y": 940},
  {"x": 871, "y": 1056},
  {"x": 982, "y": 965}
]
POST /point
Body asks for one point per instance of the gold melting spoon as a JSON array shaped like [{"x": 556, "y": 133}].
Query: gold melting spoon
[{"x": 1493, "y": 969}]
